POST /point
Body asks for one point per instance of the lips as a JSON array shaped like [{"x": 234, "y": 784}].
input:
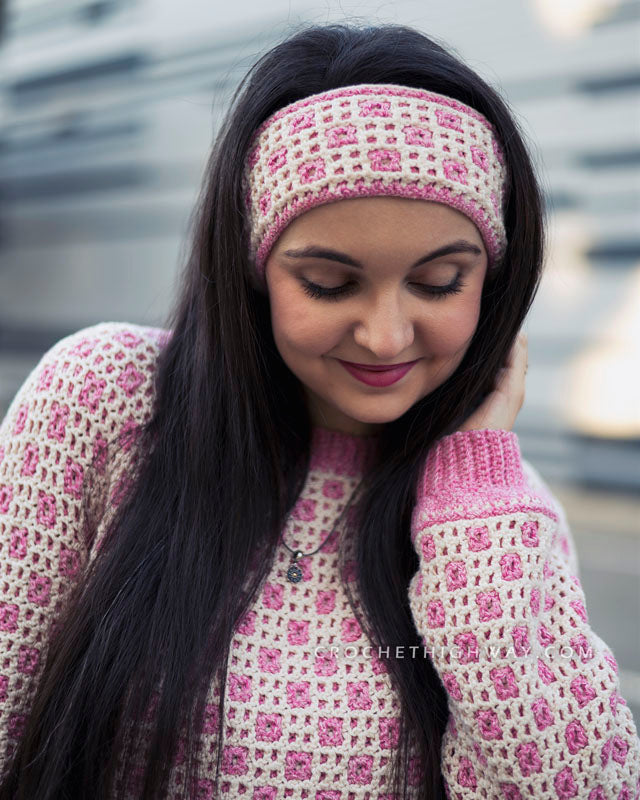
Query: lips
[
  {"x": 379, "y": 368},
  {"x": 377, "y": 376}
]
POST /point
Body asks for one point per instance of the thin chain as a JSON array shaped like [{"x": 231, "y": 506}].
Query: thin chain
[
  {"x": 299, "y": 553},
  {"x": 294, "y": 573}
]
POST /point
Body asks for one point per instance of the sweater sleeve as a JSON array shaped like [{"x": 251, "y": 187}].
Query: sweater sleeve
[
  {"x": 534, "y": 699},
  {"x": 89, "y": 390}
]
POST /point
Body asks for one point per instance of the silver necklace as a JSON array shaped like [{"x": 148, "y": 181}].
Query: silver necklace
[{"x": 294, "y": 573}]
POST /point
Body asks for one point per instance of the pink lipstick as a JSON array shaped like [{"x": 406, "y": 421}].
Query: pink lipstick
[{"x": 377, "y": 375}]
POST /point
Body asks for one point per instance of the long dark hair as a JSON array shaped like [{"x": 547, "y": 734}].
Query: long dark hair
[{"x": 223, "y": 456}]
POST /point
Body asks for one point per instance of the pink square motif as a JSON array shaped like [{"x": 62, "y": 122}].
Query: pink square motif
[
  {"x": 301, "y": 121},
  {"x": 344, "y": 134},
  {"x": 455, "y": 171},
  {"x": 265, "y": 202},
  {"x": 330, "y": 731},
  {"x": 375, "y": 108},
  {"x": 448, "y": 119},
  {"x": 359, "y": 770},
  {"x": 311, "y": 170},
  {"x": 384, "y": 160},
  {"x": 422, "y": 137},
  {"x": 277, "y": 160},
  {"x": 479, "y": 157}
]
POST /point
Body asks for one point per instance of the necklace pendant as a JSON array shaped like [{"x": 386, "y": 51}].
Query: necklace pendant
[{"x": 294, "y": 573}]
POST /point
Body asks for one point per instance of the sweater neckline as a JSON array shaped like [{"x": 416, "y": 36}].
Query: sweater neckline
[{"x": 340, "y": 452}]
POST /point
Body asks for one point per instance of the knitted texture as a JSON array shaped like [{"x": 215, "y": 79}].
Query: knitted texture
[
  {"x": 533, "y": 692},
  {"x": 373, "y": 139}
]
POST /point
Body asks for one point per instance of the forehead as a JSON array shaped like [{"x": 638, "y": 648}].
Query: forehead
[{"x": 367, "y": 219}]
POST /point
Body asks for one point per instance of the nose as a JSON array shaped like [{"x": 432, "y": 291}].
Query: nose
[{"x": 385, "y": 327}]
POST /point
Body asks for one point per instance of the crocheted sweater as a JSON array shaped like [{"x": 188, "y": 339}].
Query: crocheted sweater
[{"x": 533, "y": 692}]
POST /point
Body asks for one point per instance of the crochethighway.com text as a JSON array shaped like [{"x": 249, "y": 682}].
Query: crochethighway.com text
[{"x": 463, "y": 654}]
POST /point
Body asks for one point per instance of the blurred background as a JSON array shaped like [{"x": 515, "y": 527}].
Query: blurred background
[{"x": 107, "y": 112}]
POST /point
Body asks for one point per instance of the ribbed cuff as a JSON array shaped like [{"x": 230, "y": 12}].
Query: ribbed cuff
[{"x": 468, "y": 461}]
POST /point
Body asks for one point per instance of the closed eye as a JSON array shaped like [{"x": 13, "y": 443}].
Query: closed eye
[{"x": 337, "y": 292}]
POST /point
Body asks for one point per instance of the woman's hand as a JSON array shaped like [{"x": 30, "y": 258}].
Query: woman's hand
[{"x": 500, "y": 408}]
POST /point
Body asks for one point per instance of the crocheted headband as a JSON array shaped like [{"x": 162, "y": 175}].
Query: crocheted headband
[{"x": 373, "y": 139}]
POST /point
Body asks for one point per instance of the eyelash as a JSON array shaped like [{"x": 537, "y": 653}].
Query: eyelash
[{"x": 336, "y": 292}]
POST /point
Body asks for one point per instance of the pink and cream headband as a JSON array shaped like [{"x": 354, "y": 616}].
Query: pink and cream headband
[{"x": 373, "y": 139}]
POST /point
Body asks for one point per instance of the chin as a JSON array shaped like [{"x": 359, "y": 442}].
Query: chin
[{"x": 379, "y": 413}]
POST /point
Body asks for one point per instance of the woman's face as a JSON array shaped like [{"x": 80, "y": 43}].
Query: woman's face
[{"x": 383, "y": 253}]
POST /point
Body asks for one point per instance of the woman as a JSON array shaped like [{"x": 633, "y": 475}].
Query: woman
[{"x": 241, "y": 561}]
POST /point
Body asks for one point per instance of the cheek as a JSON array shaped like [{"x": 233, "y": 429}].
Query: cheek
[
  {"x": 448, "y": 332},
  {"x": 303, "y": 326}
]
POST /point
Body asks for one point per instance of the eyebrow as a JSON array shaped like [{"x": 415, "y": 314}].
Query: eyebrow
[{"x": 315, "y": 251}]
